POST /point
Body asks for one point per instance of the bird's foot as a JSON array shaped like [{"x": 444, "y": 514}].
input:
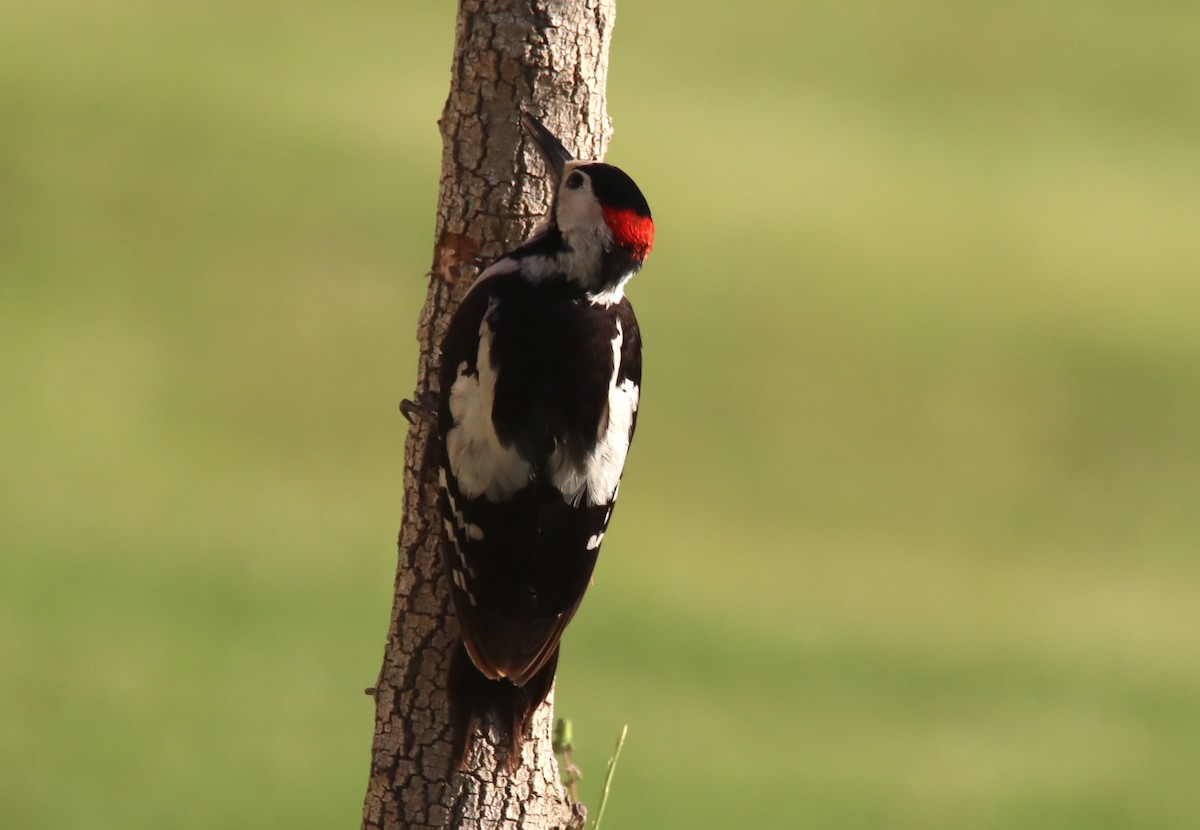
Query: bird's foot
[{"x": 423, "y": 408}]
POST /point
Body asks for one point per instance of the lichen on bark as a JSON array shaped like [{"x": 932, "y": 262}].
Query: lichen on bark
[{"x": 550, "y": 57}]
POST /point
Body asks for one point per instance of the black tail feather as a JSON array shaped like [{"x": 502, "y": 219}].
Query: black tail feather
[{"x": 476, "y": 701}]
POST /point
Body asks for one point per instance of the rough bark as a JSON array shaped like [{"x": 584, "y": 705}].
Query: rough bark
[{"x": 552, "y": 58}]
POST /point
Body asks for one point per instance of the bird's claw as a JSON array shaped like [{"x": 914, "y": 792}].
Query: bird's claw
[{"x": 423, "y": 408}]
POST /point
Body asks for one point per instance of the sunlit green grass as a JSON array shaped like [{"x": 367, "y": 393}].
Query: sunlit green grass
[{"x": 909, "y": 536}]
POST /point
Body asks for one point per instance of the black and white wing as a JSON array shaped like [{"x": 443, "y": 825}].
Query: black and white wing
[{"x": 534, "y": 443}]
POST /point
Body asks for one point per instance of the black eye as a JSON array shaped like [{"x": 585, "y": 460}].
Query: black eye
[{"x": 574, "y": 180}]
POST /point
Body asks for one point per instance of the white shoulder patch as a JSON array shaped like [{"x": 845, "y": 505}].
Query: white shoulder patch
[
  {"x": 478, "y": 461},
  {"x": 597, "y": 479}
]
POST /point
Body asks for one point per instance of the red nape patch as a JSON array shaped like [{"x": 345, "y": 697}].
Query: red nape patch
[{"x": 630, "y": 230}]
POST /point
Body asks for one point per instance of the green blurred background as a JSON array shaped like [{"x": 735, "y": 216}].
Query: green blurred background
[{"x": 909, "y": 536}]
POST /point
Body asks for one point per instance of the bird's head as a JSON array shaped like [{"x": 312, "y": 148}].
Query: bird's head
[{"x": 602, "y": 215}]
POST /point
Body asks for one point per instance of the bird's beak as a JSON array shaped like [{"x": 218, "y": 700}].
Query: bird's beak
[{"x": 551, "y": 148}]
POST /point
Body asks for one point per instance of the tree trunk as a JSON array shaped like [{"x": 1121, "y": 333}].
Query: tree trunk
[{"x": 551, "y": 57}]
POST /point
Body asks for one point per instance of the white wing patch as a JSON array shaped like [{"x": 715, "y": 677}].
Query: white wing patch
[
  {"x": 477, "y": 459},
  {"x": 597, "y": 479},
  {"x": 472, "y": 531}
]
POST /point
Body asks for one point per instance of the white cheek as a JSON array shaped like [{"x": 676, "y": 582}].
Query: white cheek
[
  {"x": 578, "y": 210},
  {"x": 586, "y": 233}
]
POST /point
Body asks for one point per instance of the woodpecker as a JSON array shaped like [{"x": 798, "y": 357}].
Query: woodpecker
[{"x": 540, "y": 374}]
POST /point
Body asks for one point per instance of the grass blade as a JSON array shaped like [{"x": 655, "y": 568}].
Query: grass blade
[{"x": 612, "y": 765}]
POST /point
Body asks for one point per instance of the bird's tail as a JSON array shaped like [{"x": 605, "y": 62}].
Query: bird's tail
[{"x": 476, "y": 701}]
